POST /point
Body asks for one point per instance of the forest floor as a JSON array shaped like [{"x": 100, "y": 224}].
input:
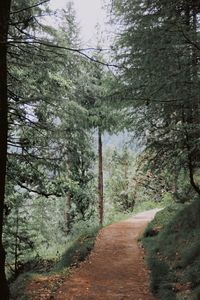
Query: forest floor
[{"x": 115, "y": 270}]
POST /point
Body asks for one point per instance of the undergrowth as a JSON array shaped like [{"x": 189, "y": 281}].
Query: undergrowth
[
  {"x": 172, "y": 243},
  {"x": 76, "y": 251}
]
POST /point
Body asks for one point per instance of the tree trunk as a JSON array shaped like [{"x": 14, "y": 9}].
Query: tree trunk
[
  {"x": 4, "y": 18},
  {"x": 68, "y": 213},
  {"x": 191, "y": 173},
  {"x": 190, "y": 158},
  {"x": 190, "y": 111},
  {"x": 128, "y": 205},
  {"x": 16, "y": 244},
  {"x": 100, "y": 178}
]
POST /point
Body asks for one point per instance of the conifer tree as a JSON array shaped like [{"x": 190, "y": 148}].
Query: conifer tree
[
  {"x": 4, "y": 21},
  {"x": 46, "y": 125},
  {"x": 158, "y": 51}
]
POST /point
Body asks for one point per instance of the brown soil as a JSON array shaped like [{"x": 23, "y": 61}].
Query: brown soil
[{"x": 115, "y": 269}]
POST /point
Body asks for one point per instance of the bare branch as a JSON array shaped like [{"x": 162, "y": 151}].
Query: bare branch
[
  {"x": 79, "y": 51},
  {"x": 41, "y": 193}
]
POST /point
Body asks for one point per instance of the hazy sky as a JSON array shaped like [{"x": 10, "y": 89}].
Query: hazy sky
[{"x": 89, "y": 13}]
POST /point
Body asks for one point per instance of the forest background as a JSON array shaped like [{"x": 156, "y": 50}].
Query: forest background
[{"x": 59, "y": 103}]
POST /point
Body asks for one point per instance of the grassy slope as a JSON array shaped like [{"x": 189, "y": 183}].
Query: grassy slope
[
  {"x": 76, "y": 251},
  {"x": 172, "y": 242}
]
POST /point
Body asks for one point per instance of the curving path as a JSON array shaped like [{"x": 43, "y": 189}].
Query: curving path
[{"x": 115, "y": 269}]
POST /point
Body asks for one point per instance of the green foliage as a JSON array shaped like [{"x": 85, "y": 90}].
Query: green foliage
[
  {"x": 167, "y": 199},
  {"x": 77, "y": 250},
  {"x": 115, "y": 216},
  {"x": 84, "y": 227},
  {"x": 161, "y": 83},
  {"x": 147, "y": 205},
  {"x": 162, "y": 218},
  {"x": 18, "y": 240},
  {"x": 120, "y": 168},
  {"x": 175, "y": 246},
  {"x": 190, "y": 255},
  {"x": 50, "y": 155},
  {"x": 56, "y": 98},
  {"x": 160, "y": 279},
  {"x": 17, "y": 288}
]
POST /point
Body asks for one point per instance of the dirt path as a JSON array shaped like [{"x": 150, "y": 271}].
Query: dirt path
[{"x": 115, "y": 269}]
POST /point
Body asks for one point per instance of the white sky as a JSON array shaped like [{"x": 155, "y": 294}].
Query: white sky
[{"x": 89, "y": 14}]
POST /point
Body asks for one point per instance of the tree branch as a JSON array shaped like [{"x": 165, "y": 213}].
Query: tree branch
[
  {"x": 29, "y": 7},
  {"x": 41, "y": 193},
  {"x": 79, "y": 51}
]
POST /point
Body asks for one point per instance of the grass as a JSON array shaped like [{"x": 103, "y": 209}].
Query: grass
[
  {"x": 162, "y": 218},
  {"x": 172, "y": 243},
  {"x": 76, "y": 251},
  {"x": 17, "y": 288}
]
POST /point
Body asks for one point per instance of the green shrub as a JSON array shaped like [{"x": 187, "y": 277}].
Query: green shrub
[{"x": 167, "y": 199}]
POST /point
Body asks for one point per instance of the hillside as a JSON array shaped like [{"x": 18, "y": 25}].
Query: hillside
[{"x": 172, "y": 244}]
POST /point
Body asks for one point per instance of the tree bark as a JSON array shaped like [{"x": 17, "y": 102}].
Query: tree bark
[
  {"x": 68, "y": 213},
  {"x": 16, "y": 244},
  {"x": 100, "y": 178},
  {"x": 4, "y": 20},
  {"x": 190, "y": 158}
]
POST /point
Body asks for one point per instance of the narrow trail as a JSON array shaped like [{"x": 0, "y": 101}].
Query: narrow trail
[{"x": 115, "y": 269}]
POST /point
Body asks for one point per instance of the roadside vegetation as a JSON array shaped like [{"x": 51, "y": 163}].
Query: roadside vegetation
[
  {"x": 51, "y": 271},
  {"x": 172, "y": 245}
]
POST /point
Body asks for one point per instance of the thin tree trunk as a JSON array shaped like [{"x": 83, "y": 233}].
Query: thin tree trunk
[
  {"x": 4, "y": 17},
  {"x": 190, "y": 158},
  {"x": 190, "y": 113},
  {"x": 68, "y": 213},
  {"x": 127, "y": 204},
  {"x": 191, "y": 175},
  {"x": 100, "y": 178},
  {"x": 16, "y": 244}
]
